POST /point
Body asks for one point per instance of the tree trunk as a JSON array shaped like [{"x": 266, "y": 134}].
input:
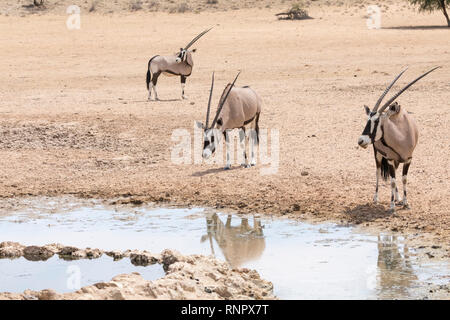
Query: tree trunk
[{"x": 444, "y": 10}]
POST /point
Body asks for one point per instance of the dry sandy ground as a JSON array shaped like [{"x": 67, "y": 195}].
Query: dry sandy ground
[
  {"x": 74, "y": 117},
  {"x": 187, "y": 277}
]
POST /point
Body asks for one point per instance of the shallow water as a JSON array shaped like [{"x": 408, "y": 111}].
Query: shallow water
[
  {"x": 62, "y": 276},
  {"x": 303, "y": 261}
]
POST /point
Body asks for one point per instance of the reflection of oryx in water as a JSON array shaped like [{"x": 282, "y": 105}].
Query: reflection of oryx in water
[
  {"x": 395, "y": 273},
  {"x": 238, "y": 244}
]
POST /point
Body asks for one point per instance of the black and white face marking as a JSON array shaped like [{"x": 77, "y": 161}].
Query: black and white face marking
[
  {"x": 181, "y": 55},
  {"x": 372, "y": 131},
  {"x": 209, "y": 143}
]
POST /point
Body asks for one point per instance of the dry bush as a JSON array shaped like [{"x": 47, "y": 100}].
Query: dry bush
[
  {"x": 296, "y": 12},
  {"x": 180, "y": 8},
  {"x": 153, "y": 4},
  {"x": 136, "y": 5},
  {"x": 93, "y": 6}
]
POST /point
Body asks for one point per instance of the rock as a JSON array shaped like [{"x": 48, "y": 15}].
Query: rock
[
  {"x": 47, "y": 294},
  {"x": 116, "y": 255},
  {"x": 187, "y": 277},
  {"x": 169, "y": 257},
  {"x": 143, "y": 259},
  {"x": 11, "y": 249},
  {"x": 93, "y": 253},
  {"x": 35, "y": 253}
]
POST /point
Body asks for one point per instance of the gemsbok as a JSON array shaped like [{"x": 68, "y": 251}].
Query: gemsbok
[
  {"x": 394, "y": 136},
  {"x": 239, "y": 108},
  {"x": 180, "y": 64}
]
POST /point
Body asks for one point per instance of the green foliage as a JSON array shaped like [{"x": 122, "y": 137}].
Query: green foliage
[{"x": 430, "y": 5}]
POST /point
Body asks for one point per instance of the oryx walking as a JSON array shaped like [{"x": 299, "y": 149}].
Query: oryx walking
[
  {"x": 180, "y": 64},
  {"x": 394, "y": 135},
  {"x": 239, "y": 108}
]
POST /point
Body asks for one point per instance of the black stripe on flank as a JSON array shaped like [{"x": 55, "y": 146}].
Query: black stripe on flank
[
  {"x": 387, "y": 146},
  {"x": 250, "y": 120}
]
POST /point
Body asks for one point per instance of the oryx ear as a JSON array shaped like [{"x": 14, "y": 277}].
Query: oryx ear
[
  {"x": 394, "y": 108},
  {"x": 193, "y": 50},
  {"x": 199, "y": 125},
  {"x": 367, "y": 109}
]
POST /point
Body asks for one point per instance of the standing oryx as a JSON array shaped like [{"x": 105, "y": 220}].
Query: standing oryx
[
  {"x": 239, "y": 108},
  {"x": 180, "y": 64},
  {"x": 394, "y": 135}
]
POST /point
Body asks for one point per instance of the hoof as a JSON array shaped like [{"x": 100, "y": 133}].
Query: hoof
[
  {"x": 243, "y": 165},
  {"x": 184, "y": 98},
  {"x": 391, "y": 210},
  {"x": 252, "y": 164},
  {"x": 227, "y": 168},
  {"x": 406, "y": 206}
]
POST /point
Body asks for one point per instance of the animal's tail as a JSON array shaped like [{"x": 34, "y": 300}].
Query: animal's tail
[
  {"x": 257, "y": 128},
  {"x": 149, "y": 78},
  {"x": 384, "y": 169},
  {"x": 149, "y": 75}
]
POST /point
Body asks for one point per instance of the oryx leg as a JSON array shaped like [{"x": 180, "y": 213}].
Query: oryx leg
[
  {"x": 227, "y": 147},
  {"x": 154, "y": 82},
  {"x": 257, "y": 228},
  {"x": 378, "y": 159},
  {"x": 393, "y": 185},
  {"x": 404, "y": 181},
  {"x": 242, "y": 141},
  {"x": 397, "y": 197},
  {"x": 245, "y": 227},
  {"x": 228, "y": 223},
  {"x": 183, "y": 84},
  {"x": 252, "y": 141},
  {"x": 150, "y": 88}
]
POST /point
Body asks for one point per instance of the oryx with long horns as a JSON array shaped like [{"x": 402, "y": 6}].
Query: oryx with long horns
[
  {"x": 394, "y": 136},
  {"x": 239, "y": 108},
  {"x": 180, "y": 64}
]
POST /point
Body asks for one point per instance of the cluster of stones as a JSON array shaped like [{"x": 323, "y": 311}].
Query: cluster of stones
[{"x": 187, "y": 277}]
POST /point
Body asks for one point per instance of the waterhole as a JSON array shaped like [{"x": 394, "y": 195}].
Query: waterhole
[{"x": 303, "y": 261}]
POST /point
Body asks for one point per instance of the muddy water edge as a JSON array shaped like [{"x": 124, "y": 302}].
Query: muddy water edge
[{"x": 319, "y": 261}]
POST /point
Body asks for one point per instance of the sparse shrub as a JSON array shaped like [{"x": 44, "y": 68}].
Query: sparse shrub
[
  {"x": 181, "y": 8},
  {"x": 212, "y": 1},
  {"x": 136, "y": 5},
  {"x": 295, "y": 13},
  {"x": 153, "y": 4},
  {"x": 93, "y": 6}
]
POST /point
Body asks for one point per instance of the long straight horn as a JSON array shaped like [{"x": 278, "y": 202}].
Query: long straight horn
[
  {"x": 196, "y": 38},
  {"x": 386, "y": 91},
  {"x": 223, "y": 102},
  {"x": 387, "y": 104},
  {"x": 209, "y": 101}
]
